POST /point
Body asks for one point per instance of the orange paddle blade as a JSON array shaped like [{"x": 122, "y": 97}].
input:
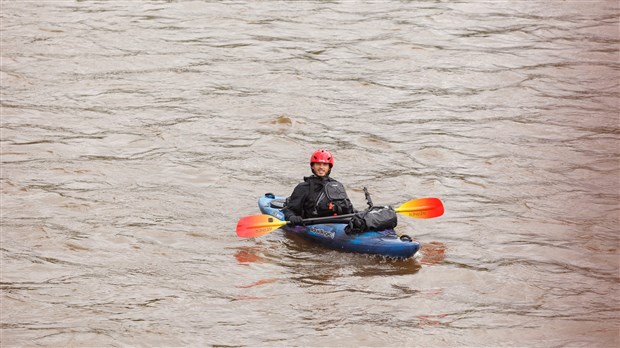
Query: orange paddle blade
[
  {"x": 257, "y": 225},
  {"x": 422, "y": 208}
]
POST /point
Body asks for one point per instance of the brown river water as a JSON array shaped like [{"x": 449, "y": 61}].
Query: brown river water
[{"x": 134, "y": 135}]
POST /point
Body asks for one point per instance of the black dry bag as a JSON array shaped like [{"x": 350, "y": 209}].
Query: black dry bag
[
  {"x": 380, "y": 218},
  {"x": 375, "y": 219}
]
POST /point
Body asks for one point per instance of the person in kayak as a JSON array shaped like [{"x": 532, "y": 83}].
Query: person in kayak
[{"x": 318, "y": 195}]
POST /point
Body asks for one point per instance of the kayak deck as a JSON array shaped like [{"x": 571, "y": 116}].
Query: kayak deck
[{"x": 332, "y": 235}]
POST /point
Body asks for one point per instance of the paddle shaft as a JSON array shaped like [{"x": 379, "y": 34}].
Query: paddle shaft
[
  {"x": 327, "y": 218},
  {"x": 258, "y": 225},
  {"x": 338, "y": 218}
]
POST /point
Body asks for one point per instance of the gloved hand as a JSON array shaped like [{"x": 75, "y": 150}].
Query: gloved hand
[
  {"x": 357, "y": 224},
  {"x": 296, "y": 220}
]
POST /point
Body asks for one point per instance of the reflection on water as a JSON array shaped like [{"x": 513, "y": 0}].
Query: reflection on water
[
  {"x": 135, "y": 135},
  {"x": 433, "y": 253},
  {"x": 247, "y": 255}
]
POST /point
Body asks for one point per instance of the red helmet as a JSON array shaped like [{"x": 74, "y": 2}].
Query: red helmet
[{"x": 322, "y": 156}]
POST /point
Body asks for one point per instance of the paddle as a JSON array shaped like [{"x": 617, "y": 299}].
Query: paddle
[
  {"x": 422, "y": 208},
  {"x": 258, "y": 225}
]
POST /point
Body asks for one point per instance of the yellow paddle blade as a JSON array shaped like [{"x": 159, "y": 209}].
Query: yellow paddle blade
[
  {"x": 422, "y": 208},
  {"x": 257, "y": 225}
]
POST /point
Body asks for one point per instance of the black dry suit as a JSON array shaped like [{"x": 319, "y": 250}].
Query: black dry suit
[{"x": 318, "y": 196}]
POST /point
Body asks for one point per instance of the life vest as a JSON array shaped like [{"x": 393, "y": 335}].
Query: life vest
[{"x": 332, "y": 200}]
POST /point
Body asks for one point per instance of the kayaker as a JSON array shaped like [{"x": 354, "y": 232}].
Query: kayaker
[{"x": 318, "y": 195}]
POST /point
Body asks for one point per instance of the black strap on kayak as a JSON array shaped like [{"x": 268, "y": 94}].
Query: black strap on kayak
[{"x": 368, "y": 200}]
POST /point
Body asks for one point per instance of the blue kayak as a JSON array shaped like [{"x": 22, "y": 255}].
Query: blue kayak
[{"x": 385, "y": 243}]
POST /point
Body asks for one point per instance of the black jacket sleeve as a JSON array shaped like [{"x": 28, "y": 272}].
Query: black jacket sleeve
[{"x": 295, "y": 203}]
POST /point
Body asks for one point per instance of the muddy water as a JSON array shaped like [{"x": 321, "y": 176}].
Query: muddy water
[{"x": 134, "y": 135}]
